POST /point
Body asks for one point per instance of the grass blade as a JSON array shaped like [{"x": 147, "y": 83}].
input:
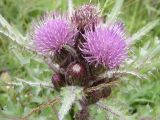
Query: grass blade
[
  {"x": 155, "y": 52},
  {"x": 70, "y": 7},
  {"x": 143, "y": 31},
  {"x": 114, "y": 12},
  {"x": 104, "y": 6}
]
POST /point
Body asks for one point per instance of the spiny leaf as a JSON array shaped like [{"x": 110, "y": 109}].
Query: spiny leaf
[
  {"x": 4, "y": 116},
  {"x": 6, "y": 30},
  {"x": 111, "y": 110},
  {"x": 149, "y": 56},
  {"x": 143, "y": 31},
  {"x": 111, "y": 73},
  {"x": 23, "y": 60},
  {"x": 69, "y": 96},
  {"x": 114, "y": 12},
  {"x": 155, "y": 52}
]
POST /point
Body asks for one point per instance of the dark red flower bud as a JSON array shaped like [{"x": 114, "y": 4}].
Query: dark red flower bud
[
  {"x": 76, "y": 73},
  {"x": 58, "y": 81},
  {"x": 82, "y": 115},
  {"x": 95, "y": 95},
  {"x": 106, "y": 92},
  {"x": 76, "y": 70}
]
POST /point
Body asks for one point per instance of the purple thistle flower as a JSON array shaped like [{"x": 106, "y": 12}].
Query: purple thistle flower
[
  {"x": 85, "y": 17},
  {"x": 106, "y": 46},
  {"x": 51, "y": 34}
]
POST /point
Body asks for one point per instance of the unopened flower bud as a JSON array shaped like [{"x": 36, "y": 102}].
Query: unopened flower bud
[
  {"x": 57, "y": 81},
  {"x": 76, "y": 69},
  {"x": 76, "y": 72},
  {"x": 85, "y": 17},
  {"x": 94, "y": 96}
]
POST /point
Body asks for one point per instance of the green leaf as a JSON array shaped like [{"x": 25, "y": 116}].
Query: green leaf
[
  {"x": 111, "y": 73},
  {"x": 104, "y": 7},
  {"x": 23, "y": 60},
  {"x": 4, "y": 116},
  {"x": 111, "y": 110},
  {"x": 143, "y": 31},
  {"x": 115, "y": 11},
  {"x": 69, "y": 95},
  {"x": 6, "y": 30},
  {"x": 155, "y": 52}
]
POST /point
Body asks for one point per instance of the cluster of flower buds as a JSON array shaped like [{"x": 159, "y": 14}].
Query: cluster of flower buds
[{"x": 83, "y": 47}]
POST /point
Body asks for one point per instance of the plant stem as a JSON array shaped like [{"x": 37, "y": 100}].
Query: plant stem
[{"x": 72, "y": 113}]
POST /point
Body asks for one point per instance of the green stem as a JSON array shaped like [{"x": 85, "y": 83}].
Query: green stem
[{"x": 72, "y": 113}]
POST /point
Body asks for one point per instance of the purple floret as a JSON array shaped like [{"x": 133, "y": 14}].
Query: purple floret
[
  {"x": 51, "y": 34},
  {"x": 106, "y": 46}
]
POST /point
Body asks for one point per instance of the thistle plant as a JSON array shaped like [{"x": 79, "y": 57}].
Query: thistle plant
[
  {"x": 87, "y": 54},
  {"x": 83, "y": 48},
  {"x": 83, "y": 51}
]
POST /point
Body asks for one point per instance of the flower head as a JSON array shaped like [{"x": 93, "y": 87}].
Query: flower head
[
  {"x": 51, "y": 34},
  {"x": 106, "y": 46},
  {"x": 85, "y": 17}
]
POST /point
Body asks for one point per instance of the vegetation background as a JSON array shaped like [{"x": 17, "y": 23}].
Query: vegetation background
[{"x": 136, "y": 98}]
